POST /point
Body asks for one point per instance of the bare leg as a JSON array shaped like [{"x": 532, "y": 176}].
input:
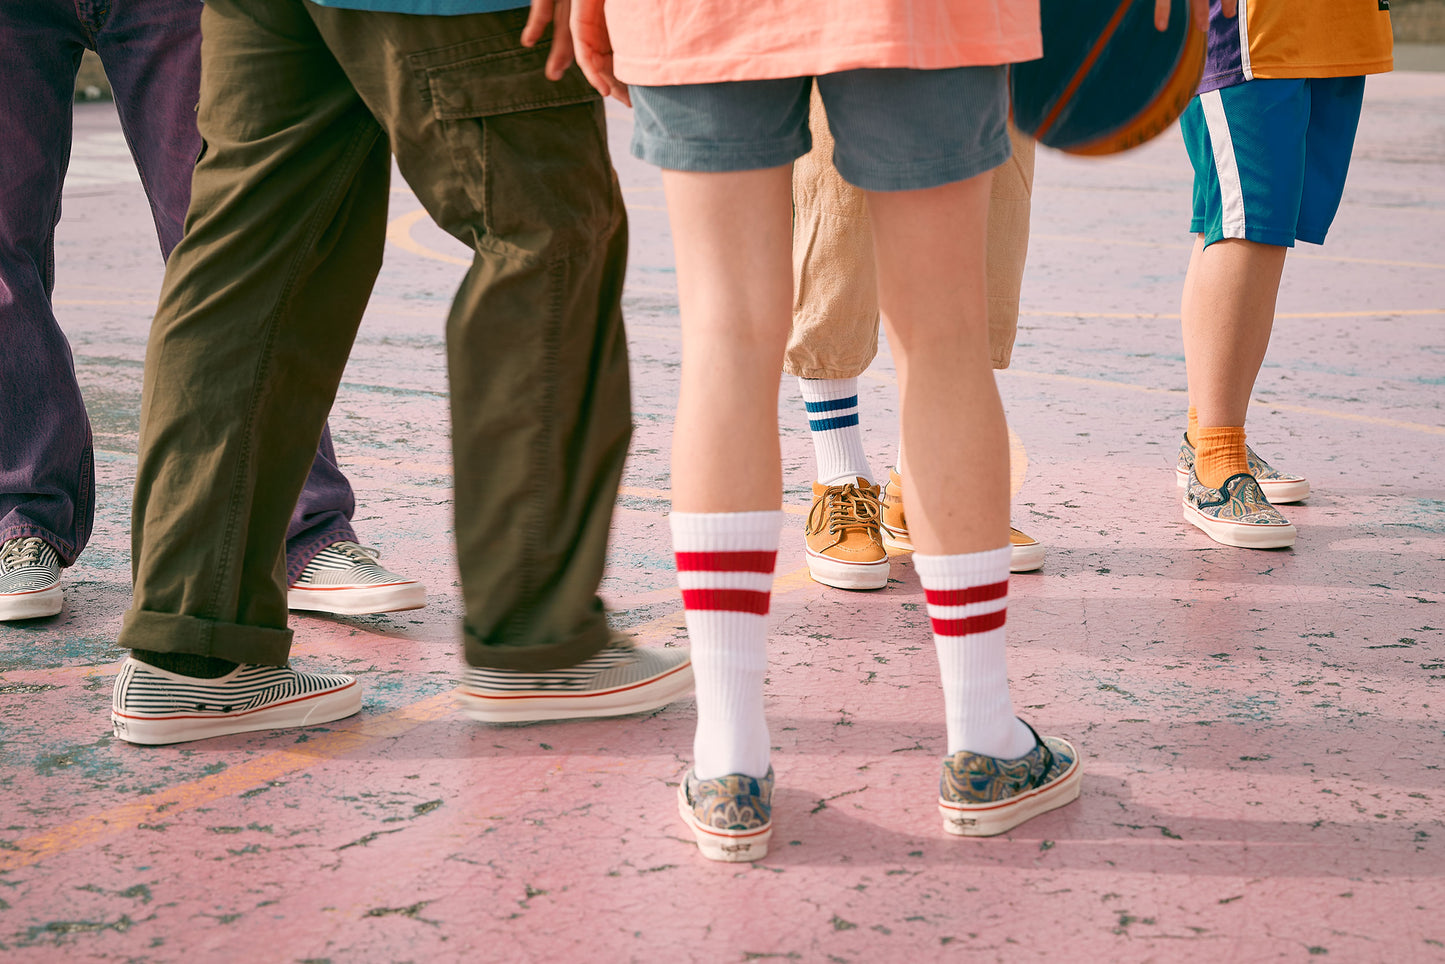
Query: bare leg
[
  {"x": 1227, "y": 314},
  {"x": 930, "y": 255},
  {"x": 733, "y": 235},
  {"x": 930, "y": 250}
]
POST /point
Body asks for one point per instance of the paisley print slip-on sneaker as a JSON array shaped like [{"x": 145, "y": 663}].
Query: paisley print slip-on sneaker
[
  {"x": 730, "y": 816},
  {"x": 1236, "y": 514},
  {"x": 980, "y": 796},
  {"x": 1278, "y": 487}
]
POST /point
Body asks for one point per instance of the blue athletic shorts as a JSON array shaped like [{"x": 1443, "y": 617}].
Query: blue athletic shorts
[
  {"x": 894, "y": 129},
  {"x": 1270, "y": 157}
]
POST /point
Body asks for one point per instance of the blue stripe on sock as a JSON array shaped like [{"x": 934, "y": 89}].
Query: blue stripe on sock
[
  {"x": 832, "y": 404},
  {"x": 828, "y": 424}
]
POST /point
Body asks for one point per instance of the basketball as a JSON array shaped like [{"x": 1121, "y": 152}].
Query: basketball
[{"x": 1108, "y": 80}]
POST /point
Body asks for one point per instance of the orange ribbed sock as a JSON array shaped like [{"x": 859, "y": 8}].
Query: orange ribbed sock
[
  {"x": 1193, "y": 429},
  {"x": 1219, "y": 453}
]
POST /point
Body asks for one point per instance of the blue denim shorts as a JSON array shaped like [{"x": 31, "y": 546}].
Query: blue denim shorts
[{"x": 894, "y": 129}]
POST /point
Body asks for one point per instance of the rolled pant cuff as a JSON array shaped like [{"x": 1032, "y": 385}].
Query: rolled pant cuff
[
  {"x": 174, "y": 633},
  {"x": 540, "y": 657},
  {"x": 67, "y": 551}
]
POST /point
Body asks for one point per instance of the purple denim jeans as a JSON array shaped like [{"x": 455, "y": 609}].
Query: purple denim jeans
[{"x": 151, "y": 53}]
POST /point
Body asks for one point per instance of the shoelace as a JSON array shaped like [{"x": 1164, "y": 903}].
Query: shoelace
[
  {"x": 848, "y": 508},
  {"x": 353, "y": 550},
  {"x": 19, "y": 553}
]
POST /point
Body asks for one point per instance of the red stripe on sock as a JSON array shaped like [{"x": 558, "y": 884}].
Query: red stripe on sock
[
  {"x": 971, "y": 625},
  {"x": 728, "y": 600},
  {"x": 726, "y": 561},
  {"x": 963, "y": 597}
]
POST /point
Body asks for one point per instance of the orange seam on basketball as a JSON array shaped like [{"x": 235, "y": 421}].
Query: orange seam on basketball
[{"x": 1078, "y": 78}]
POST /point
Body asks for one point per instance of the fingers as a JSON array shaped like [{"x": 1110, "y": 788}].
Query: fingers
[
  {"x": 592, "y": 44},
  {"x": 1229, "y": 8},
  {"x": 560, "y": 57},
  {"x": 591, "y": 63},
  {"x": 537, "y": 20},
  {"x": 1201, "y": 14},
  {"x": 1198, "y": 9}
]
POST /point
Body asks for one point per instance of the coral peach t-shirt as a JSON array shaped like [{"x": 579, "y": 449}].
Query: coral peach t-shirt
[{"x": 665, "y": 42}]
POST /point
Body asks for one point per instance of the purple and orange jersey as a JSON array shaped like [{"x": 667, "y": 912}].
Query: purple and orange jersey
[{"x": 1297, "y": 38}]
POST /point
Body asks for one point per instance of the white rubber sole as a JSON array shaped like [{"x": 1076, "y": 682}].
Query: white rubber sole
[
  {"x": 991, "y": 819},
  {"x": 1026, "y": 558},
  {"x": 641, "y": 697},
  {"x": 32, "y": 605},
  {"x": 1238, "y": 534},
  {"x": 1278, "y": 493},
  {"x": 847, "y": 575},
  {"x": 358, "y": 600},
  {"x": 897, "y": 539},
  {"x": 728, "y": 846},
  {"x": 310, "y": 710}
]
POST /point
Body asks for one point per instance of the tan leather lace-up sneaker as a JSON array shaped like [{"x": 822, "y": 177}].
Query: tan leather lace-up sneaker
[
  {"x": 845, "y": 546},
  {"x": 895, "y": 523},
  {"x": 1026, "y": 556}
]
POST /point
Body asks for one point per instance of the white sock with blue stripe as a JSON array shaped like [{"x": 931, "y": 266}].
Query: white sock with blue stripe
[{"x": 832, "y": 405}]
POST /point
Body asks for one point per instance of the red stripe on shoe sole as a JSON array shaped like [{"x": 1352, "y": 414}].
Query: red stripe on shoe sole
[
  {"x": 380, "y": 585},
  {"x": 727, "y": 600},
  {"x": 575, "y": 696},
  {"x": 29, "y": 592},
  {"x": 1053, "y": 784},
  {"x": 971, "y": 625},
  {"x": 701, "y": 827},
  {"x": 726, "y": 561},
  {"x": 964, "y": 597}
]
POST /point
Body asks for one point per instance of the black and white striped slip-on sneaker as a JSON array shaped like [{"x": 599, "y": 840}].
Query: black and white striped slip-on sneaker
[
  {"x": 29, "y": 579},
  {"x": 621, "y": 679},
  {"x": 153, "y": 706},
  {"x": 345, "y": 578}
]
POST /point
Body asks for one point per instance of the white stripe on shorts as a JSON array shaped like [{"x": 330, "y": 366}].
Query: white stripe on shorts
[
  {"x": 1241, "y": 17},
  {"x": 1231, "y": 191}
]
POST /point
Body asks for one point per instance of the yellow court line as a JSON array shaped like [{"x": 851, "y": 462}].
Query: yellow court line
[
  {"x": 398, "y": 232},
  {"x": 1181, "y": 246},
  {"x": 125, "y": 818},
  {"x": 1155, "y": 315},
  {"x": 1283, "y": 406},
  {"x": 150, "y": 302}
]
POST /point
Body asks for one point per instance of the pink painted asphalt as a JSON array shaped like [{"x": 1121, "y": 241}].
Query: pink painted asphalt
[{"x": 1262, "y": 730}]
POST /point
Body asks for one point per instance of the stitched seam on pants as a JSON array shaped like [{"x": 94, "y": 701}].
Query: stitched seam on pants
[
  {"x": 360, "y": 147},
  {"x": 535, "y": 540}
]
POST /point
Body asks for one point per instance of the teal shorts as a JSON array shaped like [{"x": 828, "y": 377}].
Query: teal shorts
[
  {"x": 893, "y": 129},
  {"x": 1270, "y": 157}
]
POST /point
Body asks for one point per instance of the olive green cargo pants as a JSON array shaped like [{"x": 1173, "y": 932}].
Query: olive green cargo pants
[{"x": 301, "y": 109}]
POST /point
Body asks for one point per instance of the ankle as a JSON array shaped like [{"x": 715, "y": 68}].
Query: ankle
[
  {"x": 1219, "y": 454},
  {"x": 185, "y": 664}
]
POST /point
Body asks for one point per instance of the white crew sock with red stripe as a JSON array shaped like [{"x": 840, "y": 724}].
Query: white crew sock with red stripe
[
  {"x": 725, "y": 569},
  {"x": 968, "y": 601}
]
